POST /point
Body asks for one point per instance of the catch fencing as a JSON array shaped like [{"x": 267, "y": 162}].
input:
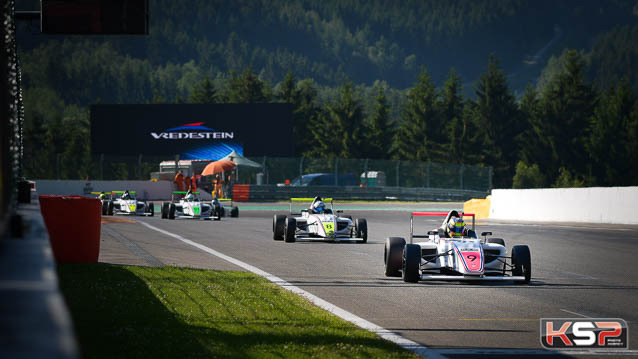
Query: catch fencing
[{"x": 337, "y": 172}]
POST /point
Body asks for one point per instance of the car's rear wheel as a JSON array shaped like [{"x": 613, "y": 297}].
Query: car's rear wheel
[
  {"x": 278, "y": 227},
  {"x": 151, "y": 209},
  {"x": 522, "y": 262},
  {"x": 393, "y": 256},
  {"x": 105, "y": 207},
  {"x": 290, "y": 229},
  {"x": 411, "y": 263},
  {"x": 234, "y": 212},
  {"x": 496, "y": 241},
  {"x": 110, "y": 209},
  {"x": 362, "y": 229},
  {"x": 171, "y": 211}
]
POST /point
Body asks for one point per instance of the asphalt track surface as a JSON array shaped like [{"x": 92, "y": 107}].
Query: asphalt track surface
[{"x": 578, "y": 270}]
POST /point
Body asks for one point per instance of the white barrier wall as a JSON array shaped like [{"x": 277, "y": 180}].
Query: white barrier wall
[
  {"x": 592, "y": 205},
  {"x": 145, "y": 190}
]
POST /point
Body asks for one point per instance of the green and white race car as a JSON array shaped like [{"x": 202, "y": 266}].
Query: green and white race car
[{"x": 189, "y": 206}]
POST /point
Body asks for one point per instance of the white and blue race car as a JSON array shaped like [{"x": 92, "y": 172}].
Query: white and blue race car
[
  {"x": 325, "y": 226},
  {"x": 464, "y": 258}
]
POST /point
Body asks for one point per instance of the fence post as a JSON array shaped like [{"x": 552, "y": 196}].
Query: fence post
[
  {"x": 301, "y": 170},
  {"x": 264, "y": 170},
  {"x": 461, "y": 176},
  {"x": 336, "y": 171},
  {"x": 397, "y": 173},
  {"x": 489, "y": 176},
  {"x": 57, "y": 166},
  {"x": 139, "y": 166},
  {"x": 365, "y": 170},
  {"x": 102, "y": 167},
  {"x": 176, "y": 163}
]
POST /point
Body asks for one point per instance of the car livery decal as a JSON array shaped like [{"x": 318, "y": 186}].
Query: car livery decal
[
  {"x": 471, "y": 257},
  {"x": 196, "y": 210},
  {"x": 131, "y": 207},
  {"x": 327, "y": 227}
]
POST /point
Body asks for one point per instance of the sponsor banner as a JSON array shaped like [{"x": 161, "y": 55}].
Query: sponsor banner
[
  {"x": 192, "y": 131},
  {"x": 584, "y": 333}
]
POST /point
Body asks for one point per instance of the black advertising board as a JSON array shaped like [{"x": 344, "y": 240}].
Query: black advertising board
[{"x": 191, "y": 130}]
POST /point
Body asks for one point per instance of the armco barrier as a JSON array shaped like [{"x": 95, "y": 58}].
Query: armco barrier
[
  {"x": 271, "y": 192},
  {"x": 74, "y": 238},
  {"x": 591, "y": 205},
  {"x": 145, "y": 190}
]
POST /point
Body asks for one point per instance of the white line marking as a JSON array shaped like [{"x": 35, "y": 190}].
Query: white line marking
[
  {"x": 341, "y": 313},
  {"x": 558, "y": 226},
  {"x": 574, "y": 313}
]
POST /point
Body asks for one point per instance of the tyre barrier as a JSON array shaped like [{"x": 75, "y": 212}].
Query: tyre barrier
[{"x": 74, "y": 224}]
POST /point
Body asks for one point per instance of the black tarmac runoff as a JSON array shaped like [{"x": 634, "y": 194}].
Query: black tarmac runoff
[{"x": 578, "y": 271}]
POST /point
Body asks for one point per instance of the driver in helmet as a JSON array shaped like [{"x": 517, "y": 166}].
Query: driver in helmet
[
  {"x": 102, "y": 196},
  {"x": 456, "y": 228},
  {"x": 318, "y": 207},
  {"x": 126, "y": 195},
  {"x": 189, "y": 195}
]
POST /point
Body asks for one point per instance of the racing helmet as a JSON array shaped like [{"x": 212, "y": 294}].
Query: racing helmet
[
  {"x": 456, "y": 227},
  {"x": 319, "y": 206}
]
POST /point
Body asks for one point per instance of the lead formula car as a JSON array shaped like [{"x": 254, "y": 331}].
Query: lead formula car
[
  {"x": 325, "y": 226},
  {"x": 189, "y": 206},
  {"x": 466, "y": 258}
]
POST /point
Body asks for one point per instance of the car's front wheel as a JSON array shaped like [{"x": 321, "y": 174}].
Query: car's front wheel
[
  {"x": 522, "y": 262},
  {"x": 393, "y": 256},
  {"x": 290, "y": 229},
  {"x": 171, "y": 211},
  {"x": 411, "y": 263},
  {"x": 278, "y": 227},
  {"x": 361, "y": 226}
]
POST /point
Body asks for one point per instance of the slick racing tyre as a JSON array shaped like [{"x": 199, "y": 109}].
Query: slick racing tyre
[
  {"x": 217, "y": 212},
  {"x": 110, "y": 209},
  {"x": 361, "y": 226},
  {"x": 522, "y": 262},
  {"x": 171, "y": 211},
  {"x": 234, "y": 213},
  {"x": 496, "y": 241},
  {"x": 393, "y": 256},
  {"x": 151, "y": 209},
  {"x": 290, "y": 229},
  {"x": 164, "y": 210},
  {"x": 411, "y": 263},
  {"x": 278, "y": 226},
  {"x": 105, "y": 207}
]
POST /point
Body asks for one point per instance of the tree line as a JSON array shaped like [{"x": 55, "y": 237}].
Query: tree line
[{"x": 570, "y": 133}]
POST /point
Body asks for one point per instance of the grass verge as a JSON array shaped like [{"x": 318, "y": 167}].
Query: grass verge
[{"x": 169, "y": 312}]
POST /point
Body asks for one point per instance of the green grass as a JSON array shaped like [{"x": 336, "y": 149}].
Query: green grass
[{"x": 170, "y": 312}]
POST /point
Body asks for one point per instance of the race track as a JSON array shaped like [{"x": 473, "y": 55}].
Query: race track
[{"x": 577, "y": 271}]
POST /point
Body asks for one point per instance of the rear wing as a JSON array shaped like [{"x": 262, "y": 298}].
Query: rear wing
[
  {"x": 98, "y": 193},
  {"x": 122, "y": 192},
  {"x": 438, "y": 214},
  {"x": 308, "y": 200}
]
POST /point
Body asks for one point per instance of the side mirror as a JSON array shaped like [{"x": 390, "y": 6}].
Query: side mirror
[
  {"x": 486, "y": 234},
  {"x": 433, "y": 233},
  {"x": 441, "y": 232},
  {"x": 339, "y": 211}
]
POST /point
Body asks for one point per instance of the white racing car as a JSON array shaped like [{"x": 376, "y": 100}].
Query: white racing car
[
  {"x": 189, "y": 207},
  {"x": 124, "y": 202},
  {"x": 443, "y": 256},
  {"x": 318, "y": 223}
]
